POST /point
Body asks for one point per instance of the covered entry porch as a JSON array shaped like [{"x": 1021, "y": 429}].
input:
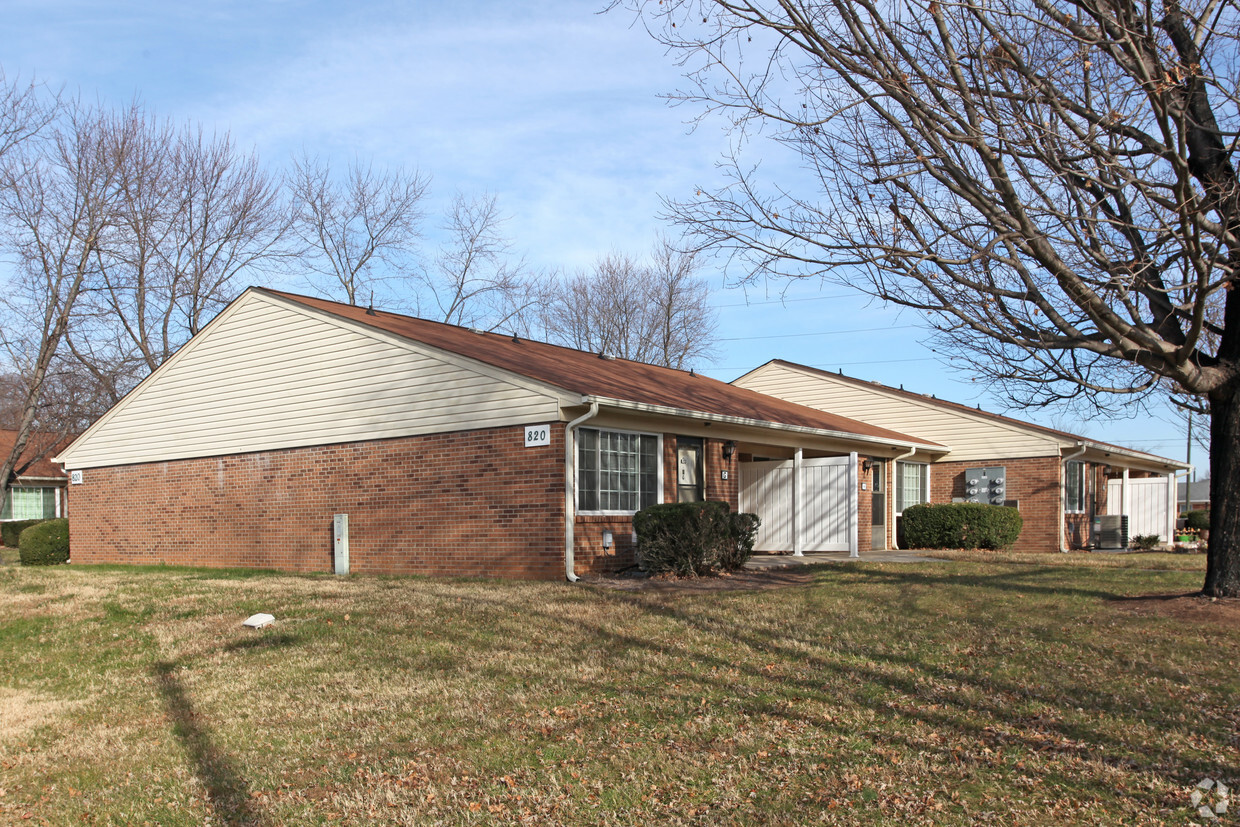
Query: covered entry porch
[{"x": 806, "y": 503}]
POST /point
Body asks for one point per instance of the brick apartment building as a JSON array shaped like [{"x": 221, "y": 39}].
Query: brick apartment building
[
  {"x": 451, "y": 451},
  {"x": 1059, "y": 481}
]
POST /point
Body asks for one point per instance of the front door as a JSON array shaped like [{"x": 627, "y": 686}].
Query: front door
[
  {"x": 878, "y": 506},
  {"x": 689, "y": 470}
]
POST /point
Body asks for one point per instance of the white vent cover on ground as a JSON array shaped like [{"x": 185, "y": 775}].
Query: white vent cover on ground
[{"x": 258, "y": 621}]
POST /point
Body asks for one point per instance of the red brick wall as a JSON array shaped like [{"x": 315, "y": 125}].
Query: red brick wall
[
  {"x": 473, "y": 503},
  {"x": 865, "y": 506},
  {"x": 1033, "y": 481},
  {"x": 588, "y": 552}
]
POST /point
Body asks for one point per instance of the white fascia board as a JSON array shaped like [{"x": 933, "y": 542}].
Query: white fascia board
[
  {"x": 1127, "y": 453},
  {"x": 415, "y": 346},
  {"x": 843, "y": 436}
]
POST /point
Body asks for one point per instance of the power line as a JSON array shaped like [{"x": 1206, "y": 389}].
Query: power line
[
  {"x": 820, "y": 333},
  {"x": 844, "y": 364},
  {"x": 788, "y": 301}
]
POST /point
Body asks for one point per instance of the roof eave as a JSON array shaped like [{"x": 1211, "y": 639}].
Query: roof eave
[
  {"x": 1148, "y": 459},
  {"x": 848, "y": 436}
]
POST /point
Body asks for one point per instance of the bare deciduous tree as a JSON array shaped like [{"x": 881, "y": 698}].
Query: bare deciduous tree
[
  {"x": 58, "y": 201},
  {"x": 1053, "y": 181},
  {"x": 350, "y": 227},
  {"x": 657, "y": 312},
  {"x": 195, "y": 213},
  {"x": 475, "y": 281}
]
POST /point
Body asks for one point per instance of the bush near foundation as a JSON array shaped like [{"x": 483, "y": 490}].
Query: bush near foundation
[
  {"x": 11, "y": 532},
  {"x": 1197, "y": 519},
  {"x": 45, "y": 544},
  {"x": 961, "y": 525},
  {"x": 691, "y": 539}
]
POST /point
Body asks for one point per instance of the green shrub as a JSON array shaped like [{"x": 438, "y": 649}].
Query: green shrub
[
  {"x": 961, "y": 525},
  {"x": 738, "y": 547},
  {"x": 45, "y": 544},
  {"x": 1199, "y": 520},
  {"x": 1145, "y": 542},
  {"x": 690, "y": 539},
  {"x": 11, "y": 532}
]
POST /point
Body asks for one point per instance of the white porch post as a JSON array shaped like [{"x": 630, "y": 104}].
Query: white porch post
[
  {"x": 798, "y": 486},
  {"x": 853, "y": 508},
  {"x": 1123, "y": 494},
  {"x": 1173, "y": 504}
]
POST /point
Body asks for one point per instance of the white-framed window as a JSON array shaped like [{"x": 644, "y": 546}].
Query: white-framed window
[
  {"x": 1075, "y": 486},
  {"x": 912, "y": 484},
  {"x": 618, "y": 472},
  {"x": 26, "y": 503}
]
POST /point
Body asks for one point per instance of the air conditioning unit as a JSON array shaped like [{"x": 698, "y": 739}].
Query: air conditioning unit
[{"x": 1111, "y": 531}]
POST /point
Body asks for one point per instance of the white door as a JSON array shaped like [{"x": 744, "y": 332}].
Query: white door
[
  {"x": 766, "y": 490},
  {"x": 826, "y": 514}
]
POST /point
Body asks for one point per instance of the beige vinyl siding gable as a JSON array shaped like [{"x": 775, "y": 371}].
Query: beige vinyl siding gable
[
  {"x": 969, "y": 437},
  {"x": 267, "y": 375}
]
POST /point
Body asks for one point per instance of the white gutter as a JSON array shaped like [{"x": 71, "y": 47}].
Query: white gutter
[
  {"x": 891, "y": 497},
  {"x": 570, "y": 489},
  {"x": 1081, "y": 447},
  {"x": 762, "y": 423}
]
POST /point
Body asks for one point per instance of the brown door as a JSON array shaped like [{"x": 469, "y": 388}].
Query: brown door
[{"x": 878, "y": 505}]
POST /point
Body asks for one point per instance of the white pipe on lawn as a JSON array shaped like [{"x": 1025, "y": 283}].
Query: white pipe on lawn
[{"x": 570, "y": 490}]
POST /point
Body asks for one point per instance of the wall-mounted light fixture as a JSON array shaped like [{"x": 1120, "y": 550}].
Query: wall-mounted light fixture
[
  {"x": 867, "y": 464},
  {"x": 729, "y": 448}
]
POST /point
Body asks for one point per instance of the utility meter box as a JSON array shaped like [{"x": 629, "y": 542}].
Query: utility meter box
[{"x": 986, "y": 485}]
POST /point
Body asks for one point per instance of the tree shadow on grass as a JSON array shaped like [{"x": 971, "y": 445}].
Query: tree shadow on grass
[{"x": 226, "y": 788}]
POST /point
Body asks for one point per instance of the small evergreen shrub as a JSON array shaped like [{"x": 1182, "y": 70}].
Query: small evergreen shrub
[
  {"x": 11, "y": 531},
  {"x": 1145, "y": 542},
  {"x": 961, "y": 525},
  {"x": 738, "y": 547},
  {"x": 691, "y": 539},
  {"x": 1198, "y": 519},
  {"x": 45, "y": 544}
]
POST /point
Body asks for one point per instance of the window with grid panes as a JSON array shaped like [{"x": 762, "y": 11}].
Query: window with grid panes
[{"x": 616, "y": 470}]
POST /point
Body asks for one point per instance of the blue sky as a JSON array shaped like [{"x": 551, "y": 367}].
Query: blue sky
[{"x": 550, "y": 106}]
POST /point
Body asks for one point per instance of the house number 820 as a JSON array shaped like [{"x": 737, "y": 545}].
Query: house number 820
[{"x": 537, "y": 435}]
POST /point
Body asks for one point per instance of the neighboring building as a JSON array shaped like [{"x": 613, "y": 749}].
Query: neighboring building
[
  {"x": 1198, "y": 496},
  {"x": 38, "y": 492},
  {"x": 1060, "y": 481},
  {"x": 453, "y": 452}
]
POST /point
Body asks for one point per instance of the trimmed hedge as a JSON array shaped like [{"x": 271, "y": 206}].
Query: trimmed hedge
[
  {"x": 961, "y": 525},
  {"x": 45, "y": 544},
  {"x": 690, "y": 539},
  {"x": 11, "y": 531},
  {"x": 1197, "y": 519}
]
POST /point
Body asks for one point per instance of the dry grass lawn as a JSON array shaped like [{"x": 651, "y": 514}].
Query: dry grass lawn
[{"x": 942, "y": 693}]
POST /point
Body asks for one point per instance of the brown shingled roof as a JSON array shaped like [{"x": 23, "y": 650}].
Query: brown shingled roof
[
  {"x": 38, "y": 443},
  {"x": 587, "y": 374}
]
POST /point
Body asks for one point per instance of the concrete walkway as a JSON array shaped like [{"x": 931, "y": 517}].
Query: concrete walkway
[{"x": 787, "y": 561}]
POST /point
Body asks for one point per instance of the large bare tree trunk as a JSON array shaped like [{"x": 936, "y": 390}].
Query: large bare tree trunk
[{"x": 1223, "y": 565}]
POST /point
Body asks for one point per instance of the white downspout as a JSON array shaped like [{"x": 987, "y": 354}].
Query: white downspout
[
  {"x": 891, "y": 495},
  {"x": 570, "y": 489},
  {"x": 1063, "y": 491}
]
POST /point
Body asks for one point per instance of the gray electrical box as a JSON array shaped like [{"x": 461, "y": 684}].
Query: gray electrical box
[
  {"x": 340, "y": 544},
  {"x": 986, "y": 485}
]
